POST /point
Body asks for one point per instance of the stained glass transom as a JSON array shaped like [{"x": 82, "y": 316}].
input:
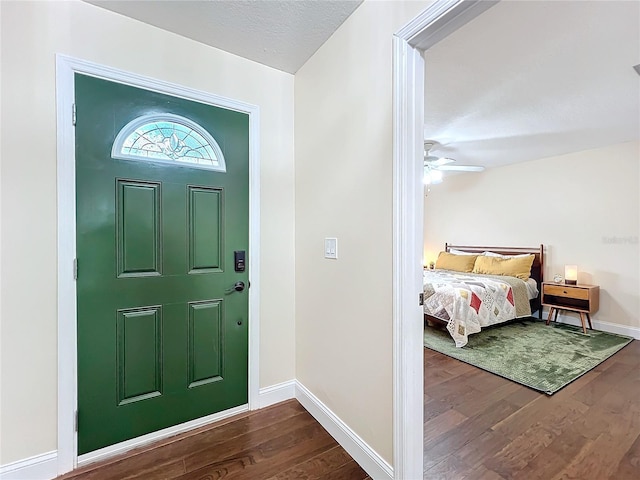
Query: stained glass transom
[{"x": 168, "y": 138}]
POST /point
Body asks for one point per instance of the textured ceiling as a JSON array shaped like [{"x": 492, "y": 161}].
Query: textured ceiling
[
  {"x": 529, "y": 80},
  {"x": 282, "y": 34}
]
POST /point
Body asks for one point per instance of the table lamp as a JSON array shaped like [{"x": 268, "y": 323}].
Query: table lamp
[{"x": 571, "y": 274}]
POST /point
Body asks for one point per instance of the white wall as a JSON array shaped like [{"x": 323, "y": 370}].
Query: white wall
[
  {"x": 343, "y": 143},
  {"x": 584, "y": 207},
  {"x": 31, "y": 34}
]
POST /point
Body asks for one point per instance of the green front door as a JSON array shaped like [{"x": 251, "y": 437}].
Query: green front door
[{"x": 162, "y": 335}]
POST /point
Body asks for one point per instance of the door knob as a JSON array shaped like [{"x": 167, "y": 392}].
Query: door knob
[{"x": 237, "y": 287}]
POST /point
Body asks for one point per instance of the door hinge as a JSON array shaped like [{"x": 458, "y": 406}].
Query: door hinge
[
  {"x": 421, "y": 299},
  {"x": 75, "y": 421},
  {"x": 73, "y": 114},
  {"x": 75, "y": 269}
]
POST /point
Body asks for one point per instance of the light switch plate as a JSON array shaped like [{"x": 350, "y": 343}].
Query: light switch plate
[{"x": 331, "y": 248}]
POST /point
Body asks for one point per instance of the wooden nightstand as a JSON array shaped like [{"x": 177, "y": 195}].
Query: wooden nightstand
[{"x": 582, "y": 299}]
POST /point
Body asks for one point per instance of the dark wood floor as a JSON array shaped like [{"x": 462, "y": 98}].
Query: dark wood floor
[
  {"x": 480, "y": 426},
  {"x": 276, "y": 443},
  {"x": 476, "y": 426}
]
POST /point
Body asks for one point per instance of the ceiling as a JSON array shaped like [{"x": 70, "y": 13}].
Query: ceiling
[
  {"x": 282, "y": 34},
  {"x": 530, "y": 80}
]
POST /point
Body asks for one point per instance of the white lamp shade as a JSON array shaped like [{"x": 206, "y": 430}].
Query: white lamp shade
[{"x": 571, "y": 273}]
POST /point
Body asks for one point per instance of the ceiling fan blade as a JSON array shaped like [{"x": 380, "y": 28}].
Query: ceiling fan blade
[
  {"x": 442, "y": 161},
  {"x": 434, "y": 161},
  {"x": 461, "y": 168}
]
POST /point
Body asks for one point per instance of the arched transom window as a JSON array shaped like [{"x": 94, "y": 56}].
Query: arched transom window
[{"x": 168, "y": 138}]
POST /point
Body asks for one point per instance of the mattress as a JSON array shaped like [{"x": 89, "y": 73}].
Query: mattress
[
  {"x": 532, "y": 288},
  {"x": 467, "y": 302}
]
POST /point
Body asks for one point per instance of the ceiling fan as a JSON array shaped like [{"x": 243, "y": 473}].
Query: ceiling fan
[{"x": 434, "y": 166}]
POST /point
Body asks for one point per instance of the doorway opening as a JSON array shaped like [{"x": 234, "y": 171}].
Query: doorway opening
[{"x": 440, "y": 19}]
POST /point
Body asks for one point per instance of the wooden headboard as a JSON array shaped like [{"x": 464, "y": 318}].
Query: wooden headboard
[{"x": 537, "y": 269}]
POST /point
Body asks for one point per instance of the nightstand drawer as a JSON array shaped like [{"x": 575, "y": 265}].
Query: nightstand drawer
[{"x": 566, "y": 291}]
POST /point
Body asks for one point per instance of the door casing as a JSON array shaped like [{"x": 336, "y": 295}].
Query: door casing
[
  {"x": 439, "y": 19},
  {"x": 66, "y": 67}
]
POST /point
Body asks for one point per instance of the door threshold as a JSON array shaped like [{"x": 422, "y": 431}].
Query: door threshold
[{"x": 154, "y": 439}]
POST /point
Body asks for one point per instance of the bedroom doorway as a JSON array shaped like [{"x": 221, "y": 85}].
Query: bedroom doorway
[{"x": 439, "y": 20}]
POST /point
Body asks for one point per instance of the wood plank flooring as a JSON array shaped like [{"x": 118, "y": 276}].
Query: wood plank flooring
[
  {"x": 281, "y": 442},
  {"x": 477, "y": 426},
  {"x": 480, "y": 426}
]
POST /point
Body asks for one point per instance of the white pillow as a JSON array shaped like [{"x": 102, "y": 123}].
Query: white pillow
[
  {"x": 460, "y": 252},
  {"x": 494, "y": 254}
]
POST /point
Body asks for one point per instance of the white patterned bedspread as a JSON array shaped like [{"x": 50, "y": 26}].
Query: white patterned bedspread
[{"x": 468, "y": 302}]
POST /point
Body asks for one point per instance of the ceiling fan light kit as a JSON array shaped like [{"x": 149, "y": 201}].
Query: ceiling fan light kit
[{"x": 432, "y": 177}]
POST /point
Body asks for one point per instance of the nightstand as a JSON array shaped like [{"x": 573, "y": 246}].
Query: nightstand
[{"x": 582, "y": 299}]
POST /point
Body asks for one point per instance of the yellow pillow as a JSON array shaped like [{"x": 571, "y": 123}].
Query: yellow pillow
[
  {"x": 519, "y": 267},
  {"x": 457, "y": 263}
]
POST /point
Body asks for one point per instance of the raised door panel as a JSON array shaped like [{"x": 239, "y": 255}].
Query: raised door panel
[
  {"x": 205, "y": 342},
  {"x": 206, "y": 229},
  {"x": 139, "y": 354},
  {"x": 138, "y": 228}
]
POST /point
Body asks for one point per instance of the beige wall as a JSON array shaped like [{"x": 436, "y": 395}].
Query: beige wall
[
  {"x": 31, "y": 34},
  {"x": 1, "y": 446},
  {"x": 343, "y": 142},
  {"x": 584, "y": 207}
]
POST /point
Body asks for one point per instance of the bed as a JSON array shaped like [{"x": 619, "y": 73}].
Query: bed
[{"x": 466, "y": 302}]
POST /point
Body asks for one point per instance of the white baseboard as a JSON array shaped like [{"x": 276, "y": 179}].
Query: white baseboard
[
  {"x": 127, "y": 445},
  {"x": 45, "y": 466},
  {"x": 38, "y": 467},
  {"x": 277, "y": 393},
  {"x": 609, "y": 327},
  {"x": 361, "y": 452}
]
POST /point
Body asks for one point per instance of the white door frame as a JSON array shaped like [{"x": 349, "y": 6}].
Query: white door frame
[
  {"x": 66, "y": 67},
  {"x": 440, "y": 19}
]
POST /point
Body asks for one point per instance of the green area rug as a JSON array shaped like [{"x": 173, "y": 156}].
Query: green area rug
[{"x": 545, "y": 358}]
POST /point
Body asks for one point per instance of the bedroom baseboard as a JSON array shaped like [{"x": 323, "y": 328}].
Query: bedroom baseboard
[
  {"x": 361, "y": 452},
  {"x": 277, "y": 393},
  {"x": 41, "y": 467},
  {"x": 609, "y": 327}
]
